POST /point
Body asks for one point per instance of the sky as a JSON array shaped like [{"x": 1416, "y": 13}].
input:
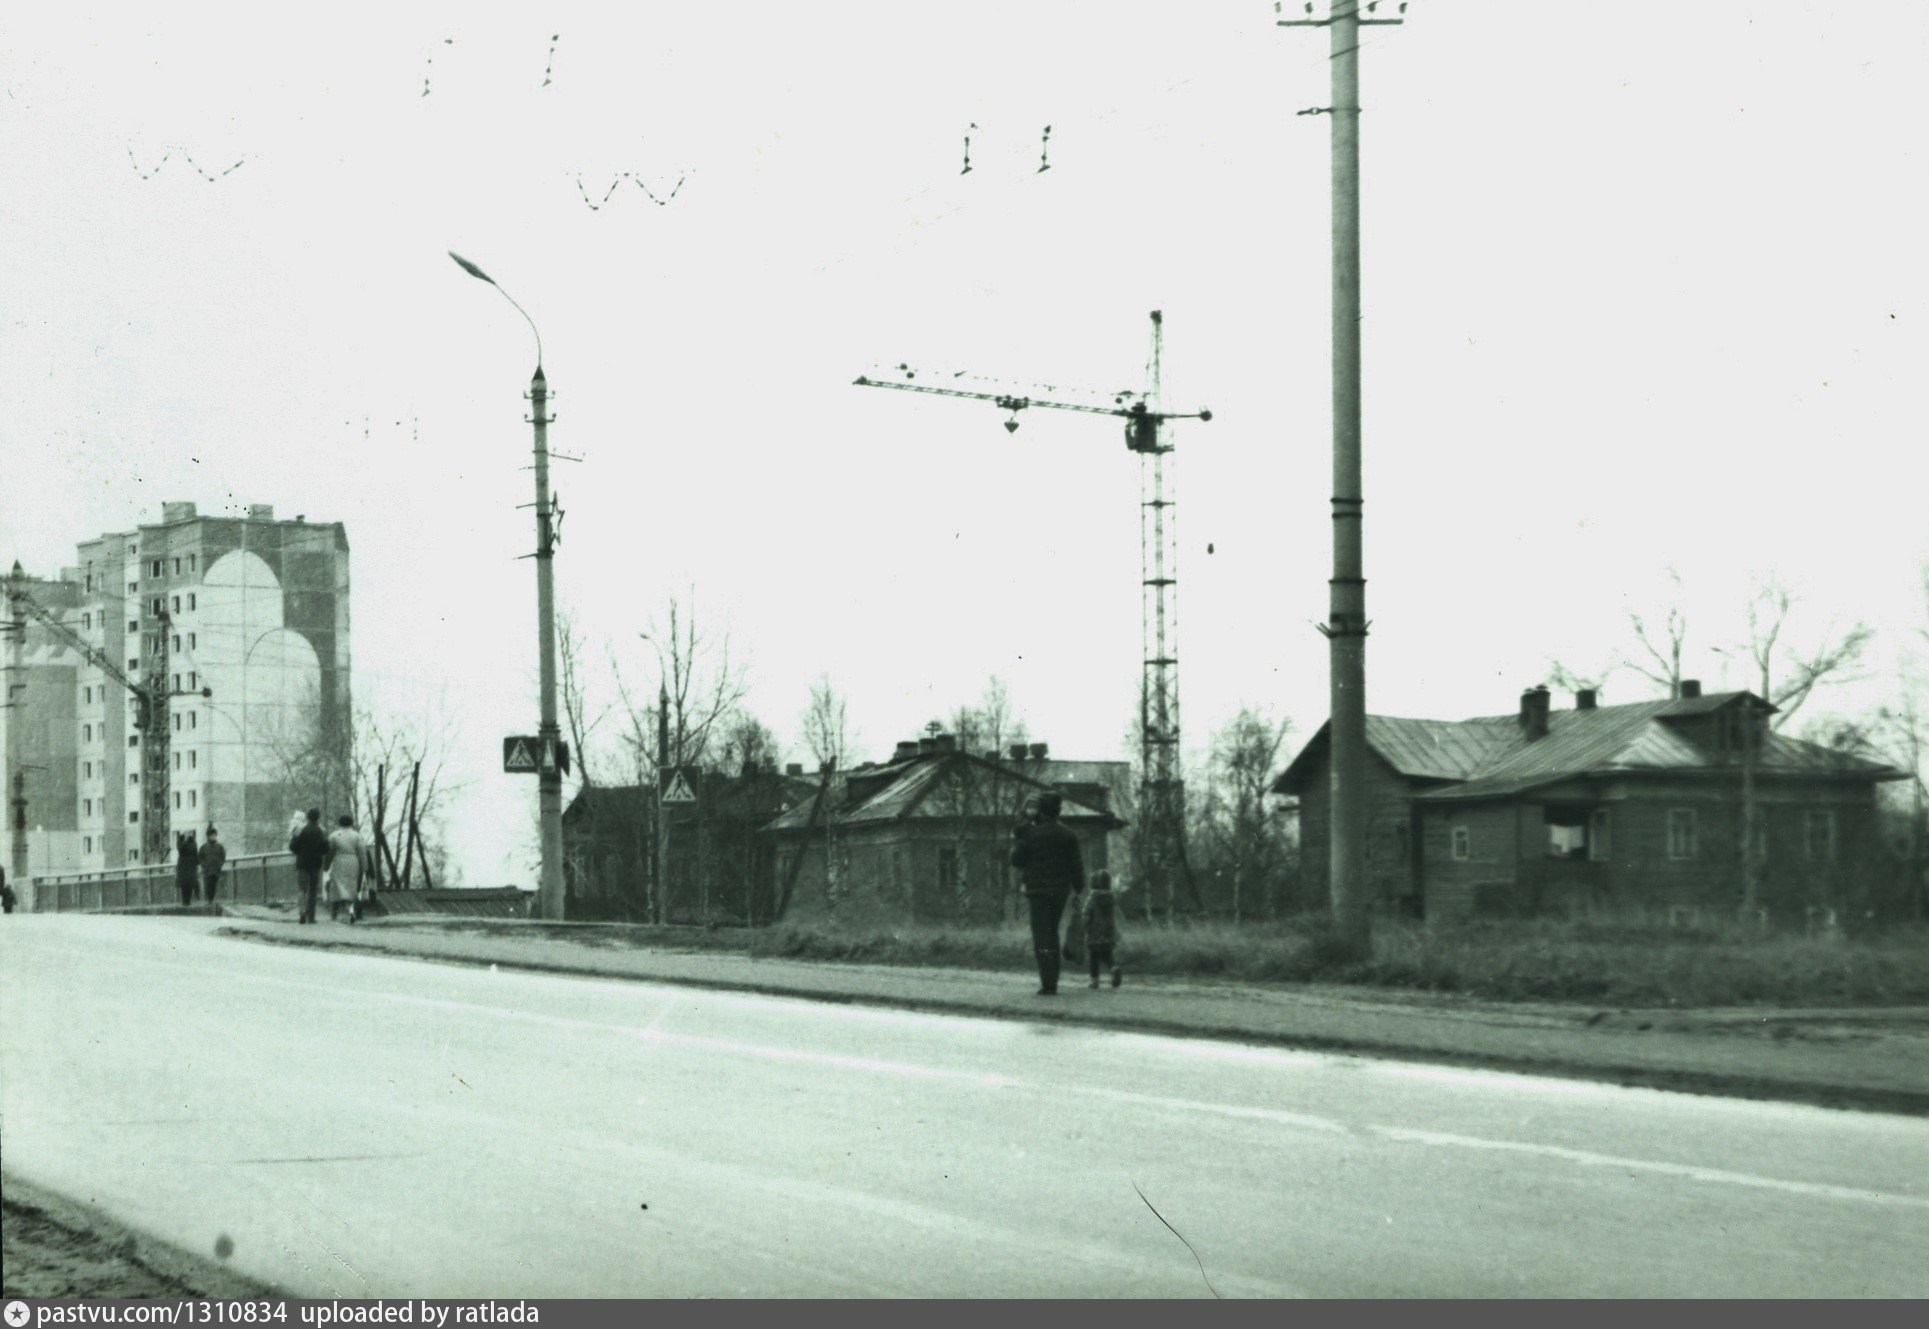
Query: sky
[{"x": 1644, "y": 289}]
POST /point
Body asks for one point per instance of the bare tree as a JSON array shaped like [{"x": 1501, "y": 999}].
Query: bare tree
[
  {"x": 398, "y": 753},
  {"x": 1244, "y": 832},
  {"x": 973, "y": 791},
  {"x": 1786, "y": 677},
  {"x": 699, "y": 688},
  {"x": 581, "y": 717}
]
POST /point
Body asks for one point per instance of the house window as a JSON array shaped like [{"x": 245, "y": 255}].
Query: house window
[
  {"x": 87, "y": 769},
  {"x": 1462, "y": 844},
  {"x": 87, "y": 620},
  {"x": 133, "y": 777},
  {"x": 177, "y": 761},
  {"x": 1600, "y": 835},
  {"x": 1566, "y": 831},
  {"x": 193, "y": 685},
  {"x": 90, "y": 581},
  {"x": 177, "y": 800},
  {"x": 133, "y": 664},
  {"x": 193, "y": 720},
  {"x": 133, "y": 625},
  {"x": 158, "y": 606},
  {"x": 86, "y": 695},
  {"x": 133, "y": 855},
  {"x": 156, "y": 567},
  {"x": 947, "y": 871},
  {"x": 193, "y": 759},
  {"x": 177, "y": 724},
  {"x": 1818, "y": 829},
  {"x": 1683, "y": 835},
  {"x": 190, "y": 600},
  {"x": 133, "y": 588},
  {"x": 133, "y": 740},
  {"x": 87, "y": 807},
  {"x": 194, "y": 798},
  {"x": 177, "y": 682}
]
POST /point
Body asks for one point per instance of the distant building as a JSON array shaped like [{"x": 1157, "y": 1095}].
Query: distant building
[
  {"x": 926, "y": 836},
  {"x": 38, "y": 735},
  {"x": 1635, "y": 807},
  {"x": 719, "y": 866},
  {"x": 248, "y": 610}
]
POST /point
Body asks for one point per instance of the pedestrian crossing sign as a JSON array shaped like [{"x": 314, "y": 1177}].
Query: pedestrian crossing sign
[
  {"x": 678, "y": 790},
  {"x": 519, "y": 755}
]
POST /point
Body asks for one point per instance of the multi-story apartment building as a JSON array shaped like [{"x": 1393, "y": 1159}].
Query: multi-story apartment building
[
  {"x": 243, "y": 624},
  {"x": 39, "y": 766}
]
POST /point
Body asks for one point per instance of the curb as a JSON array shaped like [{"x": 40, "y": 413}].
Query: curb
[{"x": 1624, "y": 1075}]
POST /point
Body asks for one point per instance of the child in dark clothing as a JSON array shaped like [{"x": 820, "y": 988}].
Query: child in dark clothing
[{"x": 1101, "y": 926}]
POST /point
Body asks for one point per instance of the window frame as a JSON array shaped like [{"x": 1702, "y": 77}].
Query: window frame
[
  {"x": 1684, "y": 847},
  {"x": 1460, "y": 843}
]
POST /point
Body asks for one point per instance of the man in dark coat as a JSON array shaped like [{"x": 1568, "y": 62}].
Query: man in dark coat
[
  {"x": 310, "y": 848},
  {"x": 187, "y": 866},
  {"x": 214, "y": 855},
  {"x": 1046, "y": 853}
]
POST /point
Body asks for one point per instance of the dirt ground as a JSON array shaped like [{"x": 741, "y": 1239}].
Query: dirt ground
[{"x": 52, "y": 1249}]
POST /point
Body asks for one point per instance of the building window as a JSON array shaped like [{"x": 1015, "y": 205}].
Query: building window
[
  {"x": 87, "y": 769},
  {"x": 177, "y": 641},
  {"x": 947, "y": 871},
  {"x": 1819, "y": 835},
  {"x": 1683, "y": 834},
  {"x": 1463, "y": 844},
  {"x": 133, "y": 817},
  {"x": 177, "y": 761},
  {"x": 133, "y": 588},
  {"x": 87, "y": 733},
  {"x": 1566, "y": 831},
  {"x": 177, "y": 567},
  {"x": 86, "y": 844},
  {"x": 193, "y": 798},
  {"x": 177, "y": 604},
  {"x": 177, "y": 800},
  {"x": 133, "y": 777},
  {"x": 190, "y": 562},
  {"x": 86, "y": 807},
  {"x": 177, "y": 682},
  {"x": 158, "y": 605},
  {"x": 86, "y": 695},
  {"x": 133, "y": 665},
  {"x": 133, "y": 740},
  {"x": 90, "y": 581},
  {"x": 87, "y": 620},
  {"x": 1600, "y": 835},
  {"x": 190, "y": 600},
  {"x": 133, "y": 625},
  {"x": 133, "y": 855},
  {"x": 155, "y": 567},
  {"x": 177, "y": 724},
  {"x": 192, "y": 720},
  {"x": 190, "y": 641},
  {"x": 193, "y": 759},
  {"x": 193, "y": 686}
]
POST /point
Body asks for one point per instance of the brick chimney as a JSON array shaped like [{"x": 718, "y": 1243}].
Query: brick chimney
[
  {"x": 261, "y": 512},
  {"x": 1586, "y": 699},
  {"x": 1017, "y": 751},
  {"x": 794, "y": 768},
  {"x": 173, "y": 512},
  {"x": 906, "y": 750},
  {"x": 1690, "y": 687},
  {"x": 1533, "y": 712},
  {"x": 1039, "y": 751},
  {"x": 927, "y": 745},
  {"x": 945, "y": 743}
]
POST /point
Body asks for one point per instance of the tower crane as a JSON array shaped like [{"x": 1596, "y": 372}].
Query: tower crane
[
  {"x": 150, "y": 710},
  {"x": 1160, "y": 847}
]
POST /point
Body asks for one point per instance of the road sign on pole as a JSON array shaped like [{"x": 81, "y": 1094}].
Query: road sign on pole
[
  {"x": 678, "y": 790},
  {"x": 519, "y": 754}
]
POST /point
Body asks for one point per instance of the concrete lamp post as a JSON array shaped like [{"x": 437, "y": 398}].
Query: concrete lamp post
[{"x": 549, "y": 899}]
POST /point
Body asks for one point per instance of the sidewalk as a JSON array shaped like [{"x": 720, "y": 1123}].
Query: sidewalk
[{"x": 1876, "y": 1060}]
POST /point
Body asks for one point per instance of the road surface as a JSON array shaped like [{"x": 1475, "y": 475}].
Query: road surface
[{"x": 363, "y": 1126}]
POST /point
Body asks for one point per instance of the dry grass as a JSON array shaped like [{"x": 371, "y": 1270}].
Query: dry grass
[{"x": 1603, "y": 964}]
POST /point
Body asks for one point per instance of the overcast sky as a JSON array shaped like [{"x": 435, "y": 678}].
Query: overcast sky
[{"x": 1644, "y": 288}]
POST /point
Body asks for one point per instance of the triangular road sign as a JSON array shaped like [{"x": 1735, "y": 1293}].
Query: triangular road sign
[
  {"x": 520, "y": 757},
  {"x": 679, "y": 790}
]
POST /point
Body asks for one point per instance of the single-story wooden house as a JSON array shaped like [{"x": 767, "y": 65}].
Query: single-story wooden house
[
  {"x": 924, "y": 837},
  {"x": 1634, "y": 807}
]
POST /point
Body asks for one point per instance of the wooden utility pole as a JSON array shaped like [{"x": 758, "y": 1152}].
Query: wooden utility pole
[{"x": 1346, "y": 625}]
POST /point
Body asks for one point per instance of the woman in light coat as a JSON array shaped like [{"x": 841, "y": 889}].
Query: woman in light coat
[{"x": 347, "y": 862}]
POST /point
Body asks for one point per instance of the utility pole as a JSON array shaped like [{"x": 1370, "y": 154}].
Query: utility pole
[
  {"x": 663, "y": 764},
  {"x": 1346, "y": 625},
  {"x": 549, "y": 772},
  {"x": 18, "y": 869}
]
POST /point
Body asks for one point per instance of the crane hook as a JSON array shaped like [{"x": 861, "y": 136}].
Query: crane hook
[{"x": 1011, "y": 425}]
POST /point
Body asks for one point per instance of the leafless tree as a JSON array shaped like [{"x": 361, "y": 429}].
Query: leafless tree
[
  {"x": 699, "y": 689},
  {"x": 581, "y": 716},
  {"x": 1244, "y": 833},
  {"x": 827, "y": 735},
  {"x": 974, "y": 792}
]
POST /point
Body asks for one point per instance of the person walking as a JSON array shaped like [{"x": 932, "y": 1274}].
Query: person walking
[
  {"x": 214, "y": 855},
  {"x": 309, "y": 845},
  {"x": 1100, "y": 911},
  {"x": 347, "y": 856},
  {"x": 1046, "y": 853},
  {"x": 187, "y": 866},
  {"x": 6, "y": 892}
]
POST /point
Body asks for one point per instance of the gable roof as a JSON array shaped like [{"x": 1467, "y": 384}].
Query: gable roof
[
  {"x": 904, "y": 791},
  {"x": 1492, "y": 756}
]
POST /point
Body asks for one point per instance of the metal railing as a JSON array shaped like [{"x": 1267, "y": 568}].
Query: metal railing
[{"x": 245, "y": 879}]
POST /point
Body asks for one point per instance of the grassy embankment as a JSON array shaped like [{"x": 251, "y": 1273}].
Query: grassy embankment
[{"x": 1557, "y": 961}]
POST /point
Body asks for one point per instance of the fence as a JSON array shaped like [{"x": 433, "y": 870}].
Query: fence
[{"x": 246, "y": 879}]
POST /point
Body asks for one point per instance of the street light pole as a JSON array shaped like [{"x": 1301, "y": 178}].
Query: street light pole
[{"x": 549, "y": 898}]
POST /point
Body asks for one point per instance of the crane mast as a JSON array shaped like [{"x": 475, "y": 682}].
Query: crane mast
[{"x": 1159, "y": 845}]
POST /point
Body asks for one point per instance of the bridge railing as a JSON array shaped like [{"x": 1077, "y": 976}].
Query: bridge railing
[{"x": 245, "y": 879}]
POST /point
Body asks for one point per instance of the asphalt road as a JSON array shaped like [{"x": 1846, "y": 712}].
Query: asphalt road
[{"x": 359, "y": 1126}]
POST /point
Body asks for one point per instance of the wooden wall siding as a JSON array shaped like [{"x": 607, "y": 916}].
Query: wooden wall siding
[{"x": 1389, "y": 854}]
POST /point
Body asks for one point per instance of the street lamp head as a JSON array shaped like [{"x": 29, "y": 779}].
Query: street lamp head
[{"x": 471, "y": 268}]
